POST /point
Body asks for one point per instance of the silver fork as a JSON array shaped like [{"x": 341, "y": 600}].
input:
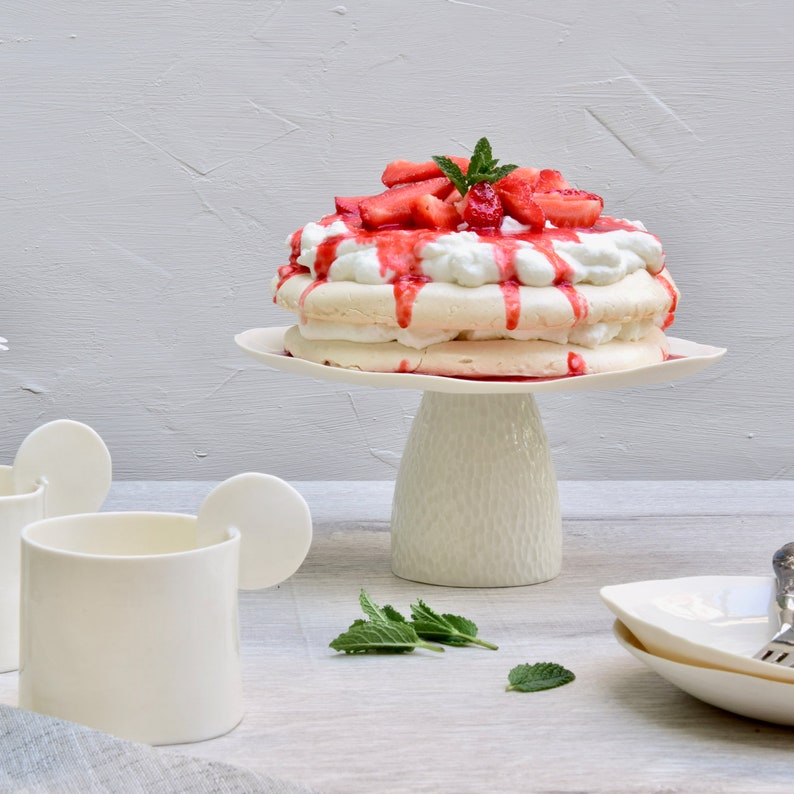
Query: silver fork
[{"x": 780, "y": 649}]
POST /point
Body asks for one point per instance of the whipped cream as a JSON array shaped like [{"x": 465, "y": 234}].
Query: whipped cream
[
  {"x": 590, "y": 336},
  {"x": 471, "y": 260}
]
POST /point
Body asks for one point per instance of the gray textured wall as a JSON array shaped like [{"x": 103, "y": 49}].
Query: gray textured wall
[{"x": 156, "y": 155}]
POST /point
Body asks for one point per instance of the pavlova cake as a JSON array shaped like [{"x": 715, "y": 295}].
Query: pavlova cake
[{"x": 465, "y": 268}]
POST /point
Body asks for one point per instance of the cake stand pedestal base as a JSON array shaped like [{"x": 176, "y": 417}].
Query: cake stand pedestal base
[{"x": 476, "y": 501}]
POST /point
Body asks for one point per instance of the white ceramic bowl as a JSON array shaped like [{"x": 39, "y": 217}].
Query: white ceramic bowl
[
  {"x": 748, "y": 695},
  {"x": 714, "y": 621}
]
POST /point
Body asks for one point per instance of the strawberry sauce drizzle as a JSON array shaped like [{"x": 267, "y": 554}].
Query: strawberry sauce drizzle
[
  {"x": 576, "y": 299},
  {"x": 295, "y": 247},
  {"x": 668, "y": 321},
  {"x": 512, "y": 299},
  {"x": 326, "y": 254},
  {"x": 305, "y": 294},
  {"x": 504, "y": 253},
  {"x": 563, "y": 272},
  {"x": 406, "y": 290},
  {"x": 397, "y": 250},
  {"x": 285, "y": 273},
  {"x": 576, "y": 364}
]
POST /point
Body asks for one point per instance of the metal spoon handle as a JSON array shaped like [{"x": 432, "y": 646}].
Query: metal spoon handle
[{"x": 783, "y": 566}]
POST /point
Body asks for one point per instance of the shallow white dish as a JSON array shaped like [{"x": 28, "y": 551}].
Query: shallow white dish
[
  {"x": 267, "y": 346},
  {"x": 715, "y": 621},
  {"x": 747, "y": 695}
]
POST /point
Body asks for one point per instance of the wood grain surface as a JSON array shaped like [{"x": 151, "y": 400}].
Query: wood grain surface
[{"x": 429, "y": 722}]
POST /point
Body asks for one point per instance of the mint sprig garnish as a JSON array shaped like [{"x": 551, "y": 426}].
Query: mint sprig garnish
[
  {"x": 447, "y": 629},
  {"x": 388, "y": 631},
  {"x": 482, "y": 168},
  {"x": 384, "y": 636},
  {"x": 537, "y": 677},
  {"x": 378, "y": 613}
]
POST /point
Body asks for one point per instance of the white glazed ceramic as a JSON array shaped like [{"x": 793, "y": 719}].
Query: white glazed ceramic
[
  {"x": 715, "y": 621},
  {"x": 274, "y": 520},
  {"x": 61, "y": 467},
  {"x": 267, "y": 346},
  {"x": 129, "y": 620},
  {"x": 475, "y": 502},
  {"x": 747, "y": 695},
  {"x": 17, "y": 510},
  {"x": 72, "y": 460}
]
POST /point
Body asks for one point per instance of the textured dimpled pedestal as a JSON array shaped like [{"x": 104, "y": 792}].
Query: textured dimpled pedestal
[{"x": 476, "y": 501}]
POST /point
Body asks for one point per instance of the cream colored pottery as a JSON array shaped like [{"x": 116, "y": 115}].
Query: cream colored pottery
[
  {"x": 61, "y": 467},
  {"x": 475, "y": 502},
  {"x": 747, "y": 695},
  {"x": 17, "y": 510},
  {"x": 712, "y": 621},
  {"x": 130, "y": 620}
]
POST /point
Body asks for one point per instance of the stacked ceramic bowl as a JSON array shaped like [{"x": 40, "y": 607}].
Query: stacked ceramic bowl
[{"x": 700, "y": 633}]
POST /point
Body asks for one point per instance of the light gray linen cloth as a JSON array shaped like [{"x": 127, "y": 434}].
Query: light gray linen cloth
[{"x": 44, "y": 754}]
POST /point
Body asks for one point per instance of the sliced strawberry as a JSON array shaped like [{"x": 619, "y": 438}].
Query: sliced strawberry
[
  {"x": 348, "y": 205},
  {"x": 454, "y": 196},
  {"x": 518, "y": 201},
  {"x": 528, "y": 175},
  {"x": 399, "y": 172},
  {"x": 570, "y": 208},
  {"x": 393, "y": 206},
  {"x": 551, "y": 180},
  {"x": 481, "y": 207},
  {"x": 430, "y": 212}
]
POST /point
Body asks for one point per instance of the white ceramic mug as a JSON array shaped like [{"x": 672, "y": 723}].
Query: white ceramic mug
[
  {"x": 130, "y": 620},
  {"x": 17, "y": 510},
  {"x": 60, "y": 467}
]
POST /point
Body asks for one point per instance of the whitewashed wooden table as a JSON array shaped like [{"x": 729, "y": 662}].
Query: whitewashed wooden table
[{"x": 427, "y": 722}]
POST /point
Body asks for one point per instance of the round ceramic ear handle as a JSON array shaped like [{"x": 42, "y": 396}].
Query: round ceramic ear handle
[
  {"x": 274, "y": 522},
  {"x": 72, "y": 462}
]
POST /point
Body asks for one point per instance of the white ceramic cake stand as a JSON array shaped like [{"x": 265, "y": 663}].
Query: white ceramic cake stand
[{"x": 475, "y": 502}]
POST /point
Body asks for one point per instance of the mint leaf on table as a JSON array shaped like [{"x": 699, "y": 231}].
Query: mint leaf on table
[
  {"x": 447, "y": 629},
  {"x": 375, "y": 612},
  {"x": 539, "y": 676},
  {"x": 386, "y": 631},
  {"x": 380, "y": 636}
]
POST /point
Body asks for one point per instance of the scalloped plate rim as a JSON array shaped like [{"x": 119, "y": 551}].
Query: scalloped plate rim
[
  {"x": 664, "y": 640},
  {"x": 746, "y": 695},
  {"x": 266, "y": 345}
]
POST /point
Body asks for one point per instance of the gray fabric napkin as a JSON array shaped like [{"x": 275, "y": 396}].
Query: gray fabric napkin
[{"x": 44, "y": 754}]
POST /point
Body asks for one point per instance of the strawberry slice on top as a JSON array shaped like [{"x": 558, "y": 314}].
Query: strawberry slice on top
[
  {"x": 348, "y": 205},
  {"x": 429, "y": 212},
  {"x": 570, "y": 208},
  {"x": 399, "y": 172},
  {"x": 551, "y": 180},
  {"x": 518, "y": 200},
  {"x": 522, "y": 174},
  {"x": 393, "y": 206}
]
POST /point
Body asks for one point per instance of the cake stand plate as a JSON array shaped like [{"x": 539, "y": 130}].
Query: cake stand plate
[{"x": 476, "y": 502}]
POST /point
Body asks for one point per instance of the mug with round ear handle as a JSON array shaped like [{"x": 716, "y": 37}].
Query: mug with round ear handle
[
  {"x": 130, "y": 620},
  {"x": 61, "y": 467}
]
